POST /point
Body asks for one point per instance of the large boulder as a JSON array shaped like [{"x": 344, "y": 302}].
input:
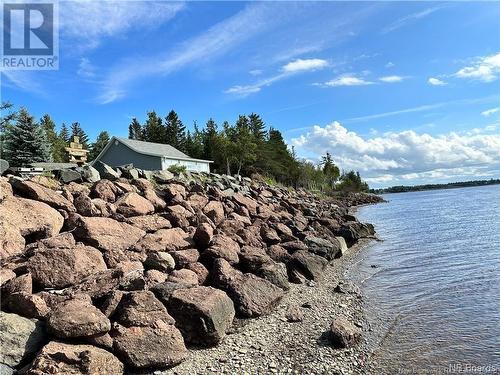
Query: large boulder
[
  {"x": 90, "y": 174},
  {"x": 252, "y": 295},
  {"x": 150, "y": 347},
  {"x": 215, "y": 211},
  {"x": 24, "y": 220},
  {"x": 309, "y": 265},
  {"x": 322, "y": 247},
  {"x": 20, "y": 339},
  {"x": 203, "y": 235},
  {"x": 343, "y": 333},
  {"x": 107, "y": 234},
  {"x": 105, "y": 171},
  {"x": 32, "y": 190},
  {"x": 132, "y": 204},
  {"x": 149, "y": 223},
  {"x": 352, "y": 231},
  {"x": 159, "y": 260},
  {"x": 140, "y": 309},
  {"x": 105, "y": 190},
  {"x": 165, "y": 240},
  {"x": 62, "y": 267},
  {"x": 62, "y": 358},
  {"x": 246, "y": 202},
  {"x": 77, "y": 318},
  {"x": 203, "y": 314},
  {"x": 222, "y": 246}
]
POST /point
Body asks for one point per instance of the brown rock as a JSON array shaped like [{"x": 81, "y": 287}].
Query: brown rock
[
  {"x": 43, "y": 194},
  {"x": 252, "y": 295},
  {"x": 173, "y": 190},
  {"x": 147, "y": 347},
  {"x": 178, "y": 216},
  {"x": 22, "y": 219},
  {"x": 19, "y": 284},
  {"x": 223, "y": 247},
  {"x": 197, "y": 201},
  {"x": 77, "y": 318},
  {"x": 343, "y": 333},
  {"x": 84, "y": 205},
  {"x": 183, "y": 276},
  {"x": 158, "y": 203},
  {"x": 107, "y": 234},
  {"x": 278, "y": 253},
  {"x": 307, "y": 264},
  {"x": 58, "y": 268},
  {"x": 294, "y": 314},
  {"x": 103, "y": 208},
  {"x": 230, "y": 227},
  {"x": 99, "y": 284},
  {"x": 164, "y": 240},
  {"x": 62, "y": 240},
  {"x": 149, "y": 223},
  {"x": 141, "y": 309},
  {"x": 6, "y": 275},
  {"x": 215, "y": 211},
  {"x": 248, "y": 203},
  {"x": 203, "y": 314},
  {"x": 184, "y": 257},
  {"x": 60, "y": 358},
  {"x": 154, "y": 277},
  {"x": 132, "y": 204},
  {"x": 203, "y": 235},
  {"x": 5, "y": 189},
  {"x": 105, "y": 190},
  {"x": 269, "y": 235},
  {"x": 200, "y": 270},
  {"x": 111, "y": 302},
  {"x": 30, "y": 306}
]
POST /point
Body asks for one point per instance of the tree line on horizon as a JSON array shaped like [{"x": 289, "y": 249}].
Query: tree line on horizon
[{"x": 247, "y": 147}]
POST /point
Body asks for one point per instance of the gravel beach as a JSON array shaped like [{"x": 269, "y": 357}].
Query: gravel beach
[{"x": 272, "y": 345}]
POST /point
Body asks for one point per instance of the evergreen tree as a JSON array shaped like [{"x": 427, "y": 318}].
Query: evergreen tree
[
  {"x": 77, "y": 131},
  {"x": 257, "y": 127},
  {"x": 210, "y": 141},
  {"x": 194, "y": 143},
  {"x": 135, "y": 130},
  {"x": 64, "y": 134},
  {"x": 25, "y": 141},
  {"x": 243, "y": 144},
  {"x": 101, "y": 142},
  {"x": 175, "y": 132},
  {"x": 330, "y": 170},
  {"x": 49, "y": 127},
  {"x": 6, "y": 117},
  {"x": 153, "y": 129}
]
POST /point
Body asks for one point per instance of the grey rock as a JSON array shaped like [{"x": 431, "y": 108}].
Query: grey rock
[
  {"x": 90, "y": 174},
  {"x": 105, "y": 171},
  {"x": 322, "y": 247},
  {"x": 69, "y": 175}
]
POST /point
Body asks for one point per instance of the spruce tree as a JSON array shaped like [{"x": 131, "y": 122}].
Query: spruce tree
[
  {"x": 194, "y": 143},
  {"x": 64, "y": 133},
  {"x": 101, "y": 142},
  {"x": 135, "y": 130},
  {"x": 257, "y": 127},
  {"x": 6, "y": 117},
  {"x": 153, "y": 129},
  {"x": 175, "y": 132},
  {"x": 77, "y": 131},
  {"x": 25, "y": 141},
  {"x": 210, "y": 141},
  {"x": 49, "y": 127}
]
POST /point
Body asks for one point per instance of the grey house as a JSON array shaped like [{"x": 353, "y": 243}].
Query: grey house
[{"x": 147, "y": 155}]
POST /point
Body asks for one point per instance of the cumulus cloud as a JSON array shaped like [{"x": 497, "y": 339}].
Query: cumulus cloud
[
  {"x": 485, "y": 69},
  {"x": 391, "y": 79},
  {"x": 490, "y": 112},
  {"x": 398, "y": 155},
  {"x": 346, "y": 80},
  {"x": 435, "y": 82},
  {"x": 301, "y": 65}
]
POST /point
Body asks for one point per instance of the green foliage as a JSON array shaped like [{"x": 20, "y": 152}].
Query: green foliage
[
  {"x": 135, "y": 130},
  {"x": 175, "y": 132},
  {"x": 64, "y": 134},
  {"x": 25, "y": 141},
  {"x": 177, "y": 169},
  {"x": 153, "y": 129},
  {"x": 77, "y": 131},
  {"x": 7, "y": 115},
  {"x": 351, "y": 181},
  {"x": 101, "y": 142},
  {"x": 194, "y": 143}
]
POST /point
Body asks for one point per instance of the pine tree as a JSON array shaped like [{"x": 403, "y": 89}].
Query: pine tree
[
  {"x": 330, "y": 170},
  {"x": 6, "y": 117},
  {"x": 49, "y": 127},
  {"x": 175, "y": 132},
  {"x": 101, "y": 142},
  {"x": 135, "y": 130},
  {"x": 209, "y": 141},
  {"x": 194, "y": 143},
  {"x": 25, "y": 141},
  {"x": 153, "y": 129},
  {"x": 77, "y": 131}
]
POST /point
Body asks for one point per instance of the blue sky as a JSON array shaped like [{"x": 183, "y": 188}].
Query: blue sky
[{"x": 405, "y": 92}]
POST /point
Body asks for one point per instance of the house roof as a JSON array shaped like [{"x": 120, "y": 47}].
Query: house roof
[
  {"x": 155, "y": 149},
  {"x": 150, "y": 148}
]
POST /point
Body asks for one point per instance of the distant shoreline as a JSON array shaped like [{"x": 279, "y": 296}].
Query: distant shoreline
[{"x": 451, "y": 185}]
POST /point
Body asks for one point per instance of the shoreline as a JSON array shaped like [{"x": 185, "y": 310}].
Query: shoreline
[{"x": 271, "y": 344}]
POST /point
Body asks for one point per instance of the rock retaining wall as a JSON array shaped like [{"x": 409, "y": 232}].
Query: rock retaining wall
[{"x": 126, "y": 273}]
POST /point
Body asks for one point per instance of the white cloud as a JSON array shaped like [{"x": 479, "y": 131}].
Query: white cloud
[
  {"x": 403, "y": 154},
  {"x": 86, "y": 69},
  {"x": 243, "y": 90},
  {"x": 391, "y": 79},
  {"x": 436, "y": 82},
  {"x": 390, "y": 65},
  {"x": 255, "y": 72},
  {"x": 490, "y": 112},
  {"x": 346, "y": 80},
  {"x": 485, "y": 69},
  {"x": 301, "y": 65},
  {"x": 409, "y": 18},
  {"x": 85, "y": 23}
]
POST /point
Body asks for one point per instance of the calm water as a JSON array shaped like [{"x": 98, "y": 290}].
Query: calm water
[{"x": 432, "y": 286}]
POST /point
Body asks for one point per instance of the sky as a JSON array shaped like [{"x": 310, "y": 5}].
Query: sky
[{"x": 405, "y": 92}]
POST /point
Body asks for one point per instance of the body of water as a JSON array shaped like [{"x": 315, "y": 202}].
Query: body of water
[{"x": 432, "y": 285}]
